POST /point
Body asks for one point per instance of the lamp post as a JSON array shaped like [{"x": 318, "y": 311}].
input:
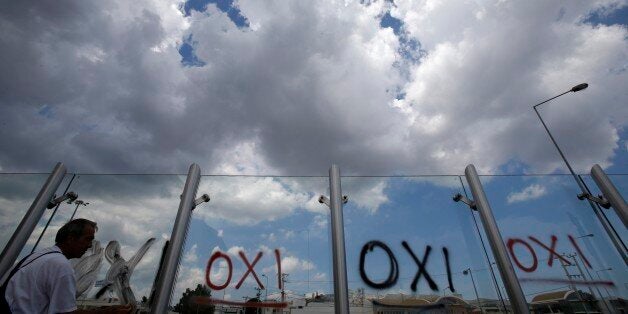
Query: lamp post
[
  {"x": 574, "y": 89},
  {"x": 600, "y": 277},
  {"x": 590, "y": 235},
  {"x": 266, "y": 288},
  {"x": 619, "y": 245},
  {"x": 445, "y": 290},
  {"x": 78, "y": 203},
  {"x": 477, "y": 297}
]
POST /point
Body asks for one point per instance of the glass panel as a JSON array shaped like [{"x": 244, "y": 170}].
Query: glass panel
[
  {"x": 129, "y": 209},
  {"x": 251, "y": 217},
  {"x": 563, "y": 258},
  {"x": 408, "y": 216},
  {"x": 621, "y": 183},
  {"x": 17, "y": 193}
]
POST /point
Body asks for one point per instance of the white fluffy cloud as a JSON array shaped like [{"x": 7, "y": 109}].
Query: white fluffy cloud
[
  {"x": 531, "y": 192},
  {"x": 307, "y": 85}
]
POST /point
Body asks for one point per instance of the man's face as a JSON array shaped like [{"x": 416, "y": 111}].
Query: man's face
[{"x": 79, "y": 245}]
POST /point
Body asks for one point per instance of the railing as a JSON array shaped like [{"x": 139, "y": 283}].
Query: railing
[{"x": 264, "y": 242}]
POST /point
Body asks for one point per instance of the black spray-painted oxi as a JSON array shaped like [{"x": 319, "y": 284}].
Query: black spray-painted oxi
[
  {"x": 449, "y": 280},
  {"x": 421, "y": 267},
  {"x": 393, "y": 275}
]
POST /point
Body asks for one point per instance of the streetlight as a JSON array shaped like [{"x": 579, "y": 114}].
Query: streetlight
[
  {"x": 477, "y": 297},
  {"x": 574, "y": 89},
  {"x": 78, "y": 203},
  {"x": 444, "y": 290},
  {"x": 619, "y": 245},
  {"x": 264, "y": 275},
  {"x": 588, "y": 272},
  {"x": 600, "y": 277}
]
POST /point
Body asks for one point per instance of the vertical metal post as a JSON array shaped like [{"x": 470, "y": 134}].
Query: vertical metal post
[
  {"x": 511, "y": 283},
  {"x": 610, "y": 192},
  {"x": 12, "y": 250},
  {"x": 341, "y": 290},
  {"x": 165, "y": 284}
]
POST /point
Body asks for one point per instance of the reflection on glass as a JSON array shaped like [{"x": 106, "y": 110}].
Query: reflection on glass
[
  {"x": 129, "y": 210},
  {"x": 17, "y": 193},
  {"x": 557, "y": 244},
  {"x": 261, "y": 243},
  {"x": 410, "y": 246}
]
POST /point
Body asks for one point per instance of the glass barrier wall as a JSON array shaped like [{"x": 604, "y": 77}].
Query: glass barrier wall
[
  {"x": 17, "y": 193},
  {"x": 135, "y": 215},
  {"x": 563, "y": 258},
  {"x": 409, "y": 245},
  {"x": 262, "y": 244},
  {"x": 263, "y": 241}
]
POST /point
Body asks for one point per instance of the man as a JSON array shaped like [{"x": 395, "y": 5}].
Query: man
[{"x": 45, "y": 282}]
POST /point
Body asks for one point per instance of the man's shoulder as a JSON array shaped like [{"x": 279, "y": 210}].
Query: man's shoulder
[{"x": 51, "y": 258}]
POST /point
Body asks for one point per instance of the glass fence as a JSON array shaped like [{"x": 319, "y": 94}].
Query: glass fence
[
  {"x": 263, "y": 244},
  {"x": 560, "y": 251}
]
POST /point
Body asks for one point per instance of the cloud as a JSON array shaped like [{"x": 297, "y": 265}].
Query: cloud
[
  {"x": 104, "y": 82},
  {"x": 291, "y": 264},
  {"x": 191, "y": 256},
  {"x": 531, "y": 192}
]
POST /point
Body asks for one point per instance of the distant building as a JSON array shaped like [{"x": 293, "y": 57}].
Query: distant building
[{"x": 566, "y": 301}]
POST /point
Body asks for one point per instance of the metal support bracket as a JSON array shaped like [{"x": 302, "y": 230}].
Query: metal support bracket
[
  {"x": 461, "y": 198},
  {"x": 600, "y": 199},
  {"x": 70, "y": 197},
  {"x": 325, "y": 200},
  {"x": 203, "y": 199}
]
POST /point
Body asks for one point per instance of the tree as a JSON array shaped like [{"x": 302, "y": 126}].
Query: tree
[{"x": 185, "y": 306}]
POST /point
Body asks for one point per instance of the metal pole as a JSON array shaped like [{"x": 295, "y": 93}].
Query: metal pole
[
  {"x": 341, "y": 290},
  {"x": 165, "y": 284},
  {"x": 488, "y": 260},
  {"x": 617, "y": 242},
  {"x": 610, "y": 192},
  {"x": 600, "y": 277},
  {"x": 52, "y": 216},
  {"x": 507, "y": 272},
  {"x": 477, "y": 296},
  {"x": 15, "y": 245},
  {"x": 602, "y": 301}
]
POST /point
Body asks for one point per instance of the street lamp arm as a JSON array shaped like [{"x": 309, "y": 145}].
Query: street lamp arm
[{"x": 552, "y": 98}]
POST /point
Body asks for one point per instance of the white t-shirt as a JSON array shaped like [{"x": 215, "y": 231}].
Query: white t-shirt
[{"x": 47, "y": 285}]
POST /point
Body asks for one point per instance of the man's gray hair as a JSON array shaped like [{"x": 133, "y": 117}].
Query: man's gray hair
[{"x": 73, "y": 228}]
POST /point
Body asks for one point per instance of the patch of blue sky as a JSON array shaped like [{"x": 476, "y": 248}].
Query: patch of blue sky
[
  {"x": 409, "y": 48},
  {"x": 188, "y": 56},
  {"x": 226, "y": 6},
  {"x": 609, "y": 16},
  {"x": 46, "y": 111},
  {"x": 186, "y": 50}
]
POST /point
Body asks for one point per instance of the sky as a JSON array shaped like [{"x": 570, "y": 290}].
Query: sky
[
  {"x": 376, "y": 87},
  {"x": 248, "y": 89}
]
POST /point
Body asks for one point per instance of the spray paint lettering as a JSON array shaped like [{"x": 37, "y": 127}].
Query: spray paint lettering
[
  {"x": 551, "y": 249},
  {"x": 249, "y": 269},
  {"x": 552, "y": 255},
  {"x": 394, "y": 266}
]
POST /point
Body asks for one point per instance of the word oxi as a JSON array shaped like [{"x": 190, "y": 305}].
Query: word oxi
[
  {"x": 393, "y": 275},
  {"x": 250, "y": 270},
  {"x": 551, "y": 249}
]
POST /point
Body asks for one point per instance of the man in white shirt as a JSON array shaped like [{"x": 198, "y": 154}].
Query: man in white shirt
[{"x": 45, "y": 282}]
